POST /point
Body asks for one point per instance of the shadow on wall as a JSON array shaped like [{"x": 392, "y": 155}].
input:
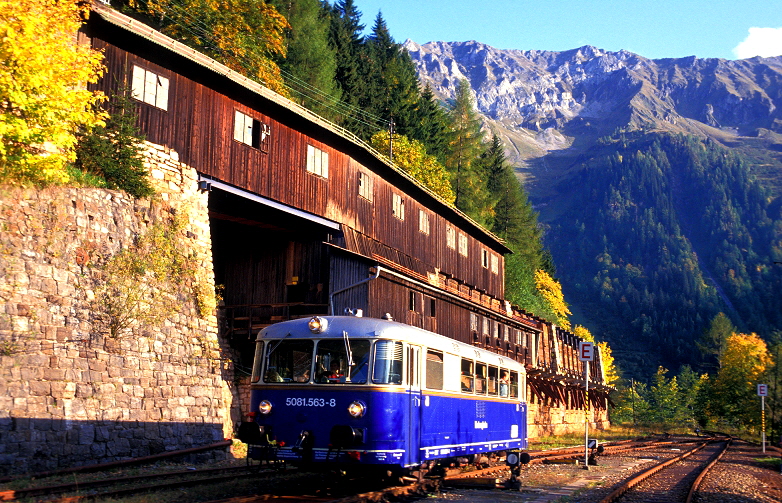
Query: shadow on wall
[{"x": 29, "y": 445}]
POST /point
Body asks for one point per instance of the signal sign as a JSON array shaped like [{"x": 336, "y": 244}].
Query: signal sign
[
  {"x": 762, "y": 389},
  {"x": 586, "y": 351}
]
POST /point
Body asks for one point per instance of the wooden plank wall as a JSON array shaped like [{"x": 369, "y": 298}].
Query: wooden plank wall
[{"x": 199, "y": 126}]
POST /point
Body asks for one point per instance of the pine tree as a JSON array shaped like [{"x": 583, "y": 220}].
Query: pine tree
[
  {"x": 345, "y": 36},
  {"x": 465, "y": 147},
  {"x": 310, "y": 66},
  {"x": 114, "y": 151}
]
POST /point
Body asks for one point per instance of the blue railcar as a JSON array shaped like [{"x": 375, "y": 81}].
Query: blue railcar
[{"x": 361, "y": 391}]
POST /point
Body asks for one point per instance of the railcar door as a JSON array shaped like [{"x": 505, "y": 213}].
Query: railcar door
[{"x": 414, "y": 416}]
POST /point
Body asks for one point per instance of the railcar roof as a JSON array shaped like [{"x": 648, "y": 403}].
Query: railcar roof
[{"x": 374, "y": 328}]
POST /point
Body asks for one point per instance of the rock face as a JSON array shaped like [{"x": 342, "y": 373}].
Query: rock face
[
  {"x": 541, "y": 101},
  {"x": 70, "y": 394}
]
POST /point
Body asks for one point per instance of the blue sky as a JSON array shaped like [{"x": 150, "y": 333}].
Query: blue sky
[{"x": 651, "y": 28}]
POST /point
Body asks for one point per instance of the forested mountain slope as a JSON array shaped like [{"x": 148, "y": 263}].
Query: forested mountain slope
[{"x": 656, "y": 181}]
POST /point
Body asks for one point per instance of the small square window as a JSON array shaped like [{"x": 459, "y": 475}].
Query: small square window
[
  {"x": 149, "y": 87},
  {"x": 423, "y": 222},
  {"x": 398, "y": 207},
  {"x": 463, "y": 244},
  {"x": 317, "y": 161},
  {"x": 365, "y": 185},
  {"x": 450, "y": 237}
]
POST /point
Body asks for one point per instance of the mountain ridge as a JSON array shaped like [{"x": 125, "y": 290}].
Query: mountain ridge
[
  {"x": 658, "y": 182},
  {"x": 546, "y": 105}
]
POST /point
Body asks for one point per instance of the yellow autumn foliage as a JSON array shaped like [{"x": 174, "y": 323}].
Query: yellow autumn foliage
[
  {"x": 411, "y": 156},
  {"x": 44, "y": 99},
  {"x": 551, "y": 291},
  {"x": 244, "y": 35}
]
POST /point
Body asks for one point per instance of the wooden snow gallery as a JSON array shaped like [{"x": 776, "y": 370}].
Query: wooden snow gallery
[{"x": 306, "y": 219}]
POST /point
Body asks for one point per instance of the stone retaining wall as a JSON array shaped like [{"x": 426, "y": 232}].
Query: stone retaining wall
[{"x": 69, "y": 393}]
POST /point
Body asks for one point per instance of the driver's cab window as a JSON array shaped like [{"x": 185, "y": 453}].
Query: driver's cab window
[
  {"x": 342, "y": 361},
  {"x": 288, "y": 361}
]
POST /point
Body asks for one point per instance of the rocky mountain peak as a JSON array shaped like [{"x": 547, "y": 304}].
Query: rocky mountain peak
[{"x": 540, "y": 101}]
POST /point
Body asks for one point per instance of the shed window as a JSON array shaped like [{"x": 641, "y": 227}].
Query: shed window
[
  {"x": 463, "y": 244},
  {"x": 450, "y": 237},
  {"x": 365, "y": 185},
  {"x": 149, "y": 87},
  {"x": 485, "y": 258},
  {"x": 495, "y": 264},
  {"x": 473, "y": 322},
  {"x": 398, "y": 207},
  {"x": 423, "y": 222},
  {"x": 317, "y": 161},
  {"x": 248, "y": 130}
]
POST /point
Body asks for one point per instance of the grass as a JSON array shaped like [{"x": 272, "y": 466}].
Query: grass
[{"x": 613, "y": 434}]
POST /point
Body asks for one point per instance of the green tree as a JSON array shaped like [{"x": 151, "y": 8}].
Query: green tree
[
  {"x": 712, "y": 342},
  {"x": 429, "y": 125},
  {"x": 114, "y": 152},
  {"x": 465, "y": 147},
  {"x": 43, "y": 96},
  {"x": 663, "y": 398},
  {"x": 245, "y": 35},
  {"x": 309, "y": 67},
  {"x": 631, "y": 406},
  {"x": 743, "y": 365},
  {"x": 345, "y": 37}
]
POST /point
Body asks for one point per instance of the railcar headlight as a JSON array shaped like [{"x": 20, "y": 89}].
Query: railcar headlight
[
  {"x": 357, "y": 409},
  {"x": 318, "y": 325},
  {"x": 265, "y": 407}
]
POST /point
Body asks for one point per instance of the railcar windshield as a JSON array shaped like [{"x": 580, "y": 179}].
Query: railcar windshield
[
  {"x": 342, "y": 361},
  {"x": 388, "y": 363},
  {"x": 288, "y": 361}
]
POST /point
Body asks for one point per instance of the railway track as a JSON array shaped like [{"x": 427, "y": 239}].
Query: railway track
[
  {"x": 124, "y": 486},
  {"x": 675, "y": 480}
]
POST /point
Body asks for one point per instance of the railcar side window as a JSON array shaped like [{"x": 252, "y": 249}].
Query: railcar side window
[
  {"x": 468, "y": 375},
  {"x": 514, "y": 384},
  {"x": 504, "y": 382},
  {"x": 332, "y": 365},
  {"x": 493, "y": 381},
  {"x": 388, "y": 363},
  {"x": 288, "y": 361},
  {"x": 480, "y": 378},
  {"x": 434, "y": 370}
]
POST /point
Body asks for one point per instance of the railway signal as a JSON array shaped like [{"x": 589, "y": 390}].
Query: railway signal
[
  {"x": 763, "y": 393},
  {"x": 586, "y": 353}
]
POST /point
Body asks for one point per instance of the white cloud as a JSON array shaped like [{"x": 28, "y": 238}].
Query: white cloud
[{"x": 765, "y": 42}]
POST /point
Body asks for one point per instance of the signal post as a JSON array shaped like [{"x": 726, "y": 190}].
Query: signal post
[{"x": 586, "y": 353}]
